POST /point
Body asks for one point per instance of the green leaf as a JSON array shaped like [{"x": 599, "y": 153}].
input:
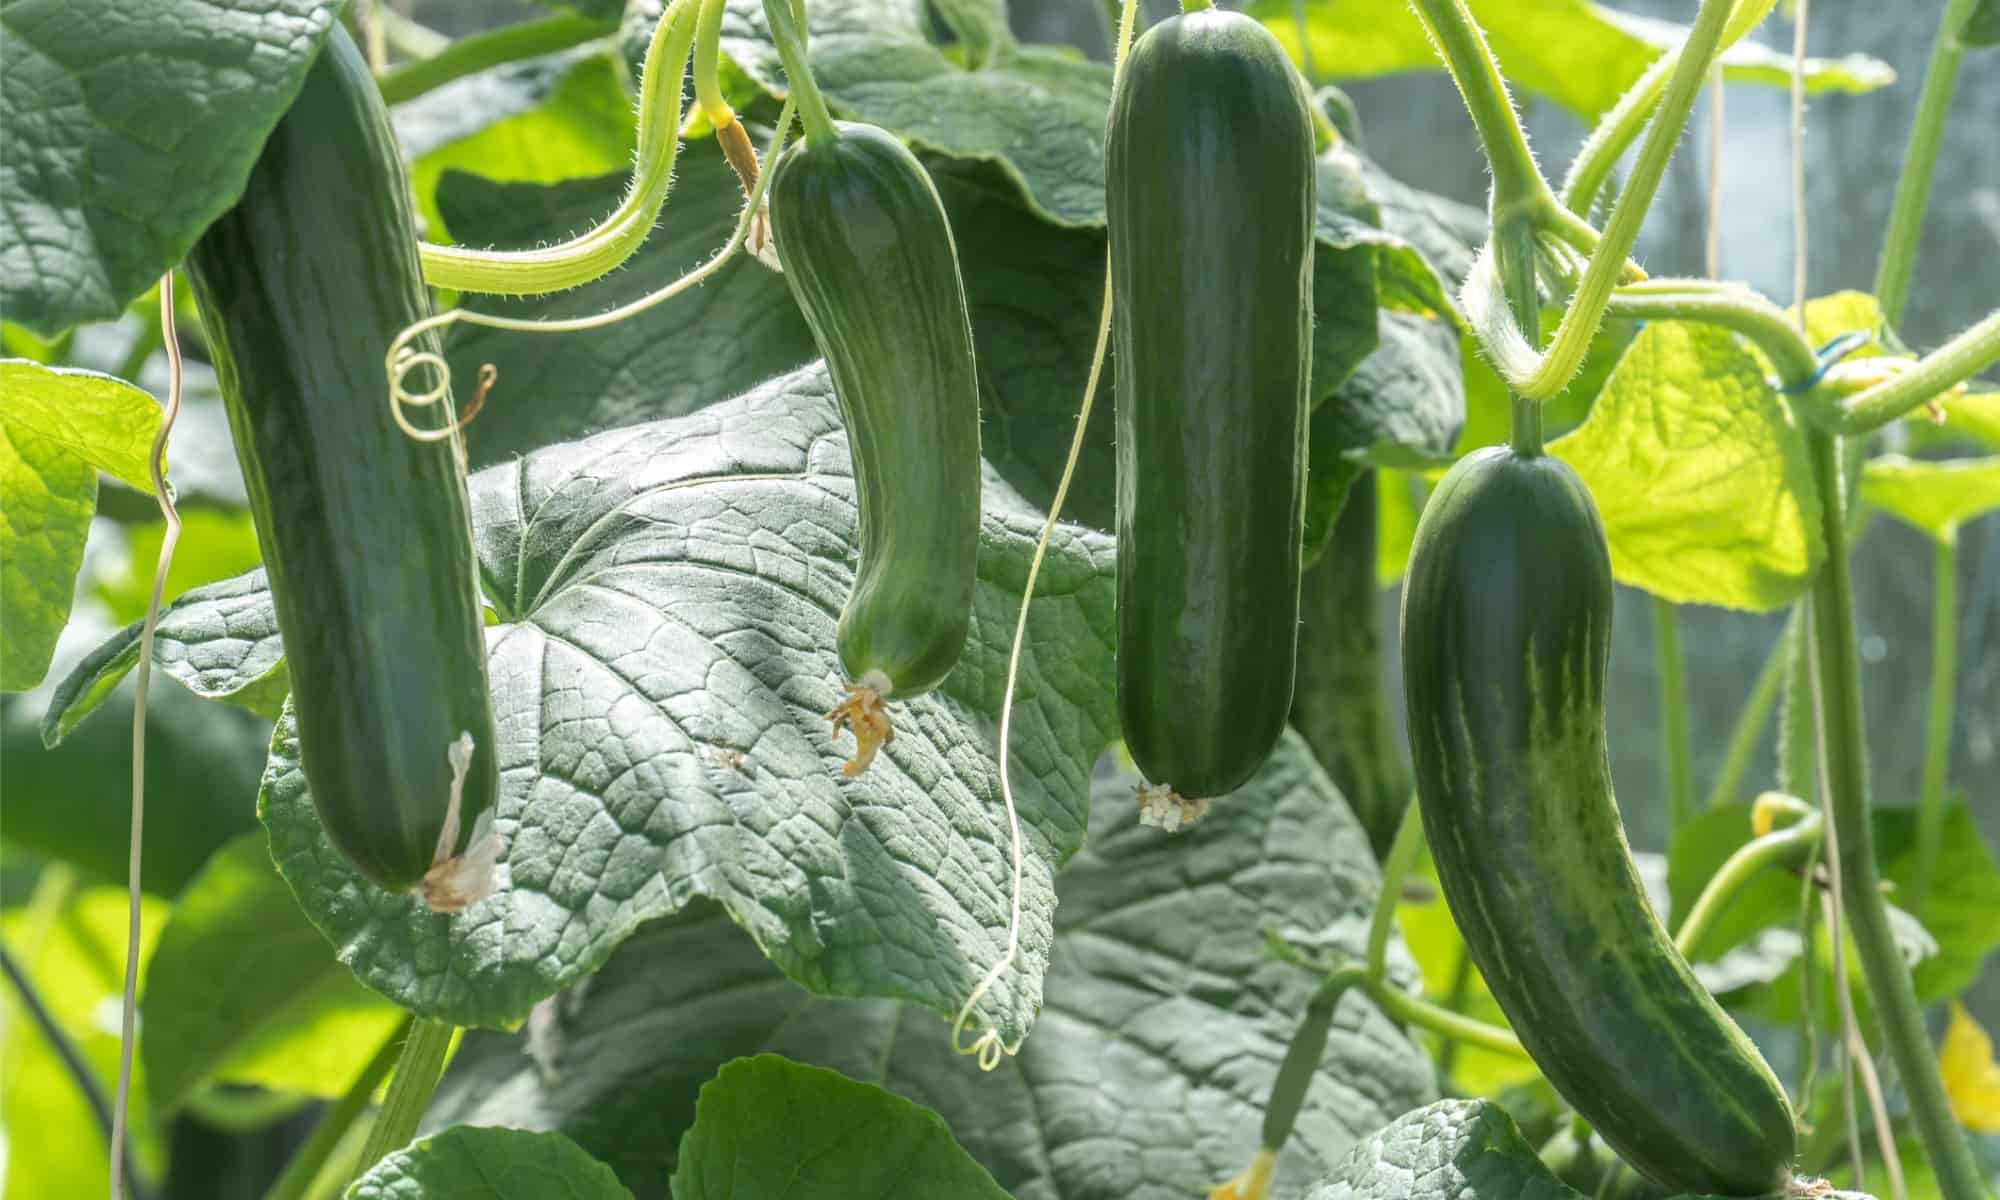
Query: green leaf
[
  {"x": 1699, "y": 472},
  {"x": 73, "y": 803},
  {"x": 72, "y": 946},
  {"x": 665, "y": 653},
  {"x": 1577, "y": 53},
  {"x": 1700, "y": 847},
  {"x": 215, "y": 543},
  {"x": 1936, "y": 497},
  {"x": 538, "y": 121},
  {"x": 489, "y": 1164},
  {"x": 1158, "y": 981},
  {"x": 1839, "y": 313},
  {"x": 1450, "y": 1150},
  {"x": 124, "y": 144},
  {"x": 1959, "y": 906},
  {"x": 766, "y": 1127},
  {"x": 242, "y": 987},
  {"x": 58, "y": 428},
  {"x": 1982, "y": 27},
  {"x": 603, "y": 10}
]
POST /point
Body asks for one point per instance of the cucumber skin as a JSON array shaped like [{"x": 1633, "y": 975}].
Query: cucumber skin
[
  {"x": 1210, "y": 193},
  {"x": 365, "y": 532},
  {"x": 869, "y": 257},
  {"x": 1506, "y": 635}
]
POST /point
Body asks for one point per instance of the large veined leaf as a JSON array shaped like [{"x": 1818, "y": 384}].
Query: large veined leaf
[
  {"x": 489, "y": 1164},
  {"x": 1145, "y": 1077},
  {"x": 1700, "y": 473},
  {"x": 666, "y": 597},
  {"x": 122, "y": 144},
  {"x": 1936, "y": 497}
]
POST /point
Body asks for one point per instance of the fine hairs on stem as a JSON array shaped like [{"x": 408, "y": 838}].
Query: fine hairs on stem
[
  {"x": 404, "y": 357},
  {"x": 121, "y": 1106},
  {"x": 987, "y": 1047}
]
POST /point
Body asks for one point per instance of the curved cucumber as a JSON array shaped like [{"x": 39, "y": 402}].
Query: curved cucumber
[
  {"x": 1210, "y": 196},
  {"x": 365, "y": 533},
  {"x": 869, "y": 257},
  {"x": 1506, "y": 634}
]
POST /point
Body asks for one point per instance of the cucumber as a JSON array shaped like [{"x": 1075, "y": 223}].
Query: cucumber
[
  {"x": 1506, "y": 634},
  {"x": 869, "y": 256},
  {"x": 1209, "y": 183},
  {"x": 365, "y": 532}
]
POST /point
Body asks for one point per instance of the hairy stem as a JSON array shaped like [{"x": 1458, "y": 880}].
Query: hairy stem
[
  {"x": 1739, "y": 869},
  {"x": 1729, "y": 306},
  {"x": 788, "y": 31},
  {"x": 410, "y": 1088},
  {"x": 1951, "y": 364},
  {"x": 311, "y": 1158},
  {"x": 1517, "y": 182},
  {"x": 1944, "y": 690},
  {"x": 1836, "y": 683},
  {"x": 1913, "y": 187}
]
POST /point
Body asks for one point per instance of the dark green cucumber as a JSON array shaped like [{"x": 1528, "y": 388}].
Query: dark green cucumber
[
  {"x": 1209, "y": 189},
  {"x": 1339, "y": 706},
  {"x": 870, "y": 260},
  {"x": 365, "y": 531},
  {"x": 1506, "y": 635}
]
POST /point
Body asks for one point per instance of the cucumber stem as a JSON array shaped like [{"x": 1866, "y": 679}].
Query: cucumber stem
[
  {"x": 305, "y": 1165},
  {"x": 1729, "y": 306},
  {"x": 1943, "y": 692},
  {"x": 510, "y": 43},
  {"x": 1676, "y": 756},
  {"x": 1749, "y": 729},
  {"x": 1301, "y": 1061},
  {"x": 1836, "y": 685},
  {"x": 410, "y": 1088},
  {"x": 787, "y": 20},
  {"x": 1913, "y": 186},
  {"x": 1736, "y": 871},
  {"x": 1951, "y": 364},
  {"x": 1517, "y": 182},
  {"x": 707, "y": 66},
  {"x": 1402, "y": 859}
]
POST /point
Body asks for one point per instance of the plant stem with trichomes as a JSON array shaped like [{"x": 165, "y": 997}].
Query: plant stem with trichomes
[
  {"x": 410, "y": 1088},
  {"x": 1943, "y": 692},
  {"x": 788, "y": 31},
  {"x": 480, "y": 51},
  {"x": 1836, "y": 686},
  {"x": 310, "y": 1159},
  {"x": 1913, "y": 186}
]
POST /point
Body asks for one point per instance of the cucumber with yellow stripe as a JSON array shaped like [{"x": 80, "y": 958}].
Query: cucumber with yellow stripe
[{"x": 1506, "y": 634}]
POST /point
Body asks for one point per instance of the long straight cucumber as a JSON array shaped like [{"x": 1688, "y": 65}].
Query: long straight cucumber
[
  {"x": 1210, "y": 198},
  {"x": 365, "y": 531},
  {"x": 1506, "y": 635}
]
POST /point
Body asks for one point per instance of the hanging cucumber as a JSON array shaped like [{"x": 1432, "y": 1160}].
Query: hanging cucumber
[
  {"x": 1506, "y": 634},
  {"x": 1210, "y": 196},
  {"x": 869, "y": 256},
  {"x": 365, "y": 533}
]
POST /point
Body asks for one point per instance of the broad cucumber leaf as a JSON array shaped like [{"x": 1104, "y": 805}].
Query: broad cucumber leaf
[
  {"x": 124, "y": 144},
  {"x": 71, "y": 943},
  {"x": 1700, "y": 473},
  {"x": 1163, "y": 1022},
  {"x": 58, "y": 428},
  {"x": 1450, "y": 1150},
  {"x": 1936, "y": 497},
  {"x": 1580, "y": 54},
  {"x": 1982, "y": 27},
  {"x": 538, "y": 121},
  {"x": 241, "y": 987},
  {"x": 767, "y": 1127},
  {"x": 489, "y": 1164},
  {"x": 666, "y": 597}
]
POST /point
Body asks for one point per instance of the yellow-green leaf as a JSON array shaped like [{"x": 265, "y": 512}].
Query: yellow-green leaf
[
  {"x": 1936, "y": 497},
  {"x": 98, "y": 418},
  {"x": 1579, "y": 54},
  {"x": 1700, "y": 473},
  {"x": 1971, "y": 1076}
]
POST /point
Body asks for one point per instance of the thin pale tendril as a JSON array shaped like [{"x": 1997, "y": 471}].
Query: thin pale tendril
[
  {"x": 404, "y": 358},
  {"x": 158, "y": 461},
  {"x": 988, "y": 1046}
]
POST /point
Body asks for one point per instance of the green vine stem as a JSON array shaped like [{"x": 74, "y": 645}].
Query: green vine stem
[
  {"x": 1539, "y": 375},
  {"x": 1728, "y": 306},
  {"x": 1944, "y": 690},
  {"x": 1403, "y": 856},
  {"x": 1676, "y": 755},
  {"x": 1836, "y": 687},
  {"x": 1913, "y": 186},
  {"x": 1518, "y": 186},
  {"x": 1798, "y": 768},
  {"x": 311, "y": 1158},
  {"x": 599, "y": 251},
  {"x": 410, "y": 1088},
  {"x": 708, "y": 65},
  {"x": 510, "y": 43},
  {"x": 1301, "y": 1061},
  {"x": 1750, "y": 722},
  {"x": 1620, "y": 127},
  {"x": 1806, "y": 832},
  {"x": 788, "y": 31},
  {"x": 1936, "y": 373}
]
